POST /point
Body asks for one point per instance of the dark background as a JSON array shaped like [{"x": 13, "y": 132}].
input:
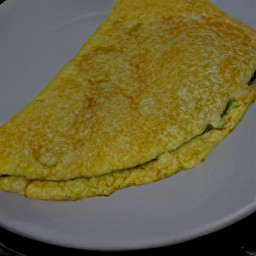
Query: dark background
[{"x": 238, "y": 239}]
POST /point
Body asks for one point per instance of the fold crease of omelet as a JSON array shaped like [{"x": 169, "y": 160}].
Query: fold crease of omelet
[{"x": 152, "y": 92}]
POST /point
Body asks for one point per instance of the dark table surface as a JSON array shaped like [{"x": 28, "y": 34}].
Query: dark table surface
[{"x": 238, "y": 239}]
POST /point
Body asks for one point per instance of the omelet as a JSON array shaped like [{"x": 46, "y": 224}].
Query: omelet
[{"x": 158, "y": 85}]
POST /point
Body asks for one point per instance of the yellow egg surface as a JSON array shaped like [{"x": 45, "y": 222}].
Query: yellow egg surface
[{"x": 158, "y": 85}]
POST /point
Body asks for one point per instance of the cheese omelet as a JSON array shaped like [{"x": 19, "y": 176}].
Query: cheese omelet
[{"x": 158, "y": 85}]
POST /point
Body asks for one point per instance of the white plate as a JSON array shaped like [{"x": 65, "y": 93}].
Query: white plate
[{"x": 36, "y": 39}]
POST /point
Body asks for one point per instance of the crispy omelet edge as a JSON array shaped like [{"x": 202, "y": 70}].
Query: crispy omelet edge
[{"x": 186, "y": 156}]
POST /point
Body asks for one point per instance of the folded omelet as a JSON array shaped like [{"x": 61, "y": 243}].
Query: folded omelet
[{"x": 152, "y": 92}]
